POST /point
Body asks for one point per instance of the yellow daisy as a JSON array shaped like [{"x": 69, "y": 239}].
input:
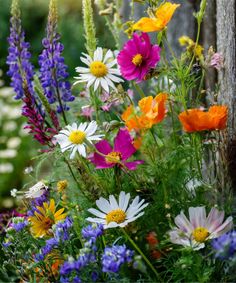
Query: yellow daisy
[{"x": 45, "y": 218}]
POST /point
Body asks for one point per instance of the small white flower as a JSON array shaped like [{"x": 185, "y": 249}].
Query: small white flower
[
  {"x": 14, "y": 192},
  {"x": 113, "y": 214},
  {"x": 74, "y": 137},
  {"x": 100, "y": 71},
  {"x": 28, "y": 170},
  {"x": 36, "y": 191},
  {"x": 200, "y": 228}
]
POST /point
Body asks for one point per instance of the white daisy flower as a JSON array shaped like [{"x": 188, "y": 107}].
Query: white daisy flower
[
  {"x": 199, "y": 228},
  {"x": 36, "y": 191},
  {"x": 100, "y": 70},
  {"x": 75, "y": 137},
  {"x": 113, "y": 214}
]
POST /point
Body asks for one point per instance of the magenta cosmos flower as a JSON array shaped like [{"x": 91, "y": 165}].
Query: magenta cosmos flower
[
  {"x": 123, "y": 149},
  {"x": 138, "y": 57}
]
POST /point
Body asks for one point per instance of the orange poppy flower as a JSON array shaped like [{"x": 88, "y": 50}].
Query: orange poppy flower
[
  {"x": 152, "y": 112},
  {"x": 162, "y": 17},
  {"x": 195, "y": 120}
]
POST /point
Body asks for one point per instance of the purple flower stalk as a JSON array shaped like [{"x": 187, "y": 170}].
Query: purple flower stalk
[
  {"x": 20, "y": 68},
  {"x": 36, "y": 121},
  {"x": 53, "y": 71},
  {"x": 225, "y": 246},
  {"x": 114, "y": 257},
  {"x": 138, "y": 57}
]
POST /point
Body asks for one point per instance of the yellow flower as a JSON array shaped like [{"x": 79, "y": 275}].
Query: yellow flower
[
  {"x": 191, "y": 46},
  {"x": 44, "y": 218},
  {"x": 62, "y": 185},
  {"x": 163, "y": 15}
]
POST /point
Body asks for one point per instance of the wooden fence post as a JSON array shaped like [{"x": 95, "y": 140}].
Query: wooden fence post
[{"x": 226, "y": 44}]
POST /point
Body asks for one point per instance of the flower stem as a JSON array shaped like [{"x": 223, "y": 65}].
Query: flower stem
[
  {"x": 142, "y": 254},
  {"x": 139, "y": 90}
]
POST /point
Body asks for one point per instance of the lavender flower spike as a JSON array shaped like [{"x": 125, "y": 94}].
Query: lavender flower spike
[
  {"x": 53, "y": 71},
  {"x": 20, "y": 68}
]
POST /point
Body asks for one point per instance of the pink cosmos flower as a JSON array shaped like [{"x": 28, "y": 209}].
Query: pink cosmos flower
[
  {"x": 138, "y": 57},
  {"x": 123, "y": 149},
  {"x": 199, "y": 228}
]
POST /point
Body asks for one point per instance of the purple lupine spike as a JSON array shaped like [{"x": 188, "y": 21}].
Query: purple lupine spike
[
  {"x": 53, "y": 71},
  {"x": 20, "y": 68}
]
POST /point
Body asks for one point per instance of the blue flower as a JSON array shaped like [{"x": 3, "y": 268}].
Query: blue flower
[
  {"x": 20, "y": 226},
  {"x": 114, "y": 257},
  {"x": 53, "y": 71},
  {"x": 20, "y": 68},
  {"x": 92, "y": 232},
  {"x": 61, "y": 230},
  {"x": 225, "y": 246}
]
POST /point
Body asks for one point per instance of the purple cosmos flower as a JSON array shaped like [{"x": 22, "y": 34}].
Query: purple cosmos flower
[
  {"x": 123, "y": 149},
  {"x": 114, "y": 257},
  {"x": 225, "y": 246},
  {"x": 138, "y": 57},
  {"x": 53, "y": 71}
]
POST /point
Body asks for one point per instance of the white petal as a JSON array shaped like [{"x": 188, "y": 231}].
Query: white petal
[
  {"x": 122, "y": 196},
  {"x": 91, "y": 81},
  {"x": 98, "y": 54},
  {"x": 81, "y": 149},
  {"x": 111, "y": 64},
  {"x": 85, "y": 61},
  {"x": 97, "y": 213},
  {"x": 96, "y": 220},
  {"x": 108, "y": 56},
  {"x": 114, "y": 78},
  {"x": 96, "y": 84},
  {"x": 95, "y": 138},
  {"x": 110, "y": 83},
  {"x": 104, "y": 85},
  {"x": 82, "y": 127},
  {"x": 112, "y": 225},
  {"x": 113, "y": 202},
  {"x": 135, "y": 217},
  {"x": 137, "y": 210},
  {"x": 72, "y": 155},
  {"x": 82, "y": 70},
  {"x": 91, "y": 129},
  {"x": 103, "y": 205}
]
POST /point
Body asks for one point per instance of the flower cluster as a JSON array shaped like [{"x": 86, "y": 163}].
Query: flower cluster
[
  {"x": 114, "y": 257},
  {"x": 225, "y": 246},
  {"x": 20, "y": 68},
  {"x": 53, "y": 71}
]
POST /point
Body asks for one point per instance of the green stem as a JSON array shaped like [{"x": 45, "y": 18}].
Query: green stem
[
  {"x": 139, "y": 90},
  {"x": 142, "y": 254}
]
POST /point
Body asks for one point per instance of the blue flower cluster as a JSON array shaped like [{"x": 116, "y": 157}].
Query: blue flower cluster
[
  {"x": 20, "y": 225},
  {"x": 114, "y": 257},
  {"x": 225, "y": 246},
  {"x": 87, "y": 255},
  {"x": 20, "y": 68},
  {"x": 61, "y": 234},
  {"x": 53, "y": 71}
]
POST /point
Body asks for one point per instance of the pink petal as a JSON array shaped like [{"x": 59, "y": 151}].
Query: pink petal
[
  {"x": 214, "y": 219},
  {"x": 133, "y": 165},
  {"x": 224, "y": 228},
  {"x": 123, "y": 144},
  {"x": 197, "y": 216},
  {"x": 183, "y": 223},
  {"x": 97, "y": 159}
]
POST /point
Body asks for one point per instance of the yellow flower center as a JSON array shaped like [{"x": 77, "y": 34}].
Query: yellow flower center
[
  {"x": 137, "y": 59},
  {"x": 113, "y": 157},
  {"x": 77, "y": 137},
  {"x": 98, "y": 69},
  {"x": 200, "y": 234},
  {"x": 116, "y": 215}
]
